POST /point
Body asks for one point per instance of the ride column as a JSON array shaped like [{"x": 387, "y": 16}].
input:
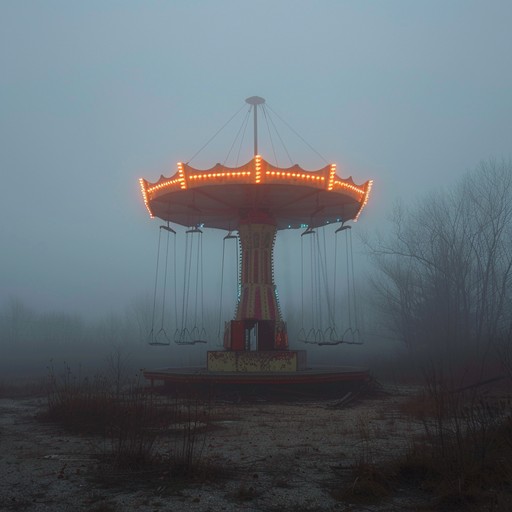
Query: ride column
[
  {"x": 258, "y": 300},
  {"x": 258, "y": 307}
]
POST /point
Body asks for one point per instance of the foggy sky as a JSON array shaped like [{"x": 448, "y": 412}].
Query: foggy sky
[{"x": 94, "y": 95}]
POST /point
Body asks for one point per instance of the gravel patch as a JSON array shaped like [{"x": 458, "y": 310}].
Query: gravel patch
[{"x": 268, "y": 456}]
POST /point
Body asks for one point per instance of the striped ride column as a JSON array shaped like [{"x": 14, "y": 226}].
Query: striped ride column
[{"x": 258, "y": 300}]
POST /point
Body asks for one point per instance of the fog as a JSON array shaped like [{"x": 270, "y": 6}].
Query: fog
[{"x": 95, "y": 95}]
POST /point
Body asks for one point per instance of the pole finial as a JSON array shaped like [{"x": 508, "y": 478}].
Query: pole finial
[{"x": 255, "y": 100}]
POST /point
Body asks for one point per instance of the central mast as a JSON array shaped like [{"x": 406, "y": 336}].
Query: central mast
[
  {"x": 255, "y": 101},
  {"x": 257, "y": 313}
]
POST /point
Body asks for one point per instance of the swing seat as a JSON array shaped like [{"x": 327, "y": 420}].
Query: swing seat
[
  {"x": 321, "y": 339},
  {"x": 186, "y": 337},
  {"x": 198, "y": 336},
  {"x": 160, "y": 338},
  {"x": 191, "y": 342},
  {"x": 313, "y": 337},
  {"x": 335, "y": 340}
]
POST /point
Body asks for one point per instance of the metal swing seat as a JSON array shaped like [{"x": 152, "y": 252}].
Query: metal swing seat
[{"x": 328, "y": 336}]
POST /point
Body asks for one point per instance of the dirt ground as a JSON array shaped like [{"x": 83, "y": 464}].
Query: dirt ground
[{"x": 266, "y": 456}]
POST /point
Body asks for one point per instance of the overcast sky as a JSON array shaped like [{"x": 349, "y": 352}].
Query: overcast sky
[{"x": 94, "y": 95}]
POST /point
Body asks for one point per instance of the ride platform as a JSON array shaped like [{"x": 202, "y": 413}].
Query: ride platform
[{"x": 313, "y": 381}]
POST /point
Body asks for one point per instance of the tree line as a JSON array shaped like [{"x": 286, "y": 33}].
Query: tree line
[{"x": 444, "y": 273}]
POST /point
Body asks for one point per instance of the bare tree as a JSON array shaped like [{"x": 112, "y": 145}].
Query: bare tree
[
  {"x": 16, "y": 320},
  {"x": 445, "y": 271},
  {"x": 139, "y": 314}
]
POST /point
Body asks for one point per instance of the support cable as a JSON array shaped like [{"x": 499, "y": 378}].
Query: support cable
[
  {"x": 356, "y": 312},
  {"x": 221, "y": 289},
  {"x": 242, "y": 127},
  {"x": 319, "y": 284},
  {"x": 242, "y": 138},
  {"x": 349, "y": 302},
  {"x": 302, "y": 332},
  {"x": 202, "y": 332},
  {"x": 193, "y": 257},
  {"x": 335, "y": 278},
  {"x": 198, "y": 282},
  {"x": 316, "y": 288},
  {"x": 156, "y": 339},
  {"x": 151, "y": 333},
  {"x": 270, "y": 135},
  {"x": 330, "y": 331},
  {"x": 186, "y": 287},
  {"x": 297, "y": 134},
  {"x": 280, "y": 139},
  {"x": 216, "y": 133},
  {"x": 229, "y": 236},
  {"x": 323, "y": 268},
  {"x": 164, "y": 293},
  {"x": 175, "y": 287}
]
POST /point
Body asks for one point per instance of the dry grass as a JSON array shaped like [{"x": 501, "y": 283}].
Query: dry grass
[
  {"x": 145, "y": 433},
  {"x": 369, "y": 484},
  {"x": 21, "y": 388},
  {"x": 461, "y": 461}
]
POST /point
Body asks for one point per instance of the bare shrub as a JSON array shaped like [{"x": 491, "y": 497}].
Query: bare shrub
[{"x": 140, "y": 428}]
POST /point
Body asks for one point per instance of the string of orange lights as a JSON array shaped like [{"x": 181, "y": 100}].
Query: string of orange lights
[{"x": 256, "y": 171}]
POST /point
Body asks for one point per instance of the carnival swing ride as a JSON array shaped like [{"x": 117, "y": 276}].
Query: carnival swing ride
[{"x": 251, "y": 203}]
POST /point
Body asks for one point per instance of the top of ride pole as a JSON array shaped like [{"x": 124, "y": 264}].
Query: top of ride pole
[
  {"x": 255, "y": 100},
  {"x": 222, "y": 197}
]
